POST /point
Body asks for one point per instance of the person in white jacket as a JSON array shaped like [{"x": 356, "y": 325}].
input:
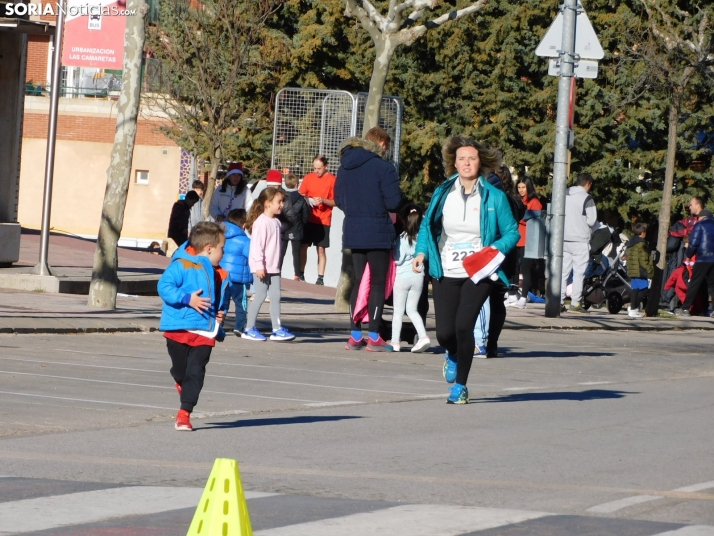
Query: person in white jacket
[
  {"x": 233, "y": 193},
  {"x": 580, "y": 220}
]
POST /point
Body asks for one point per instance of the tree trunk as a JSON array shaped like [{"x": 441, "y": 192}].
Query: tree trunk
[
  {"x": 384, "y": 47},
  {"x": 665, "y": 209},
  {"x": 345, "y": 283},
  {"x": 211, "y": 183},
  {"x": 103, "y": 287}
]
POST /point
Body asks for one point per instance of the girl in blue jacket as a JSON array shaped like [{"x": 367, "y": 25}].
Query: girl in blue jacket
[
  {"x": 235, "y": 262},
  {"x": 466, "y": 214}
]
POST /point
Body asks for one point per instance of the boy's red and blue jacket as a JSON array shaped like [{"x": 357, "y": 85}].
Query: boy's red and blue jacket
[{"x": 186, "y": 274}]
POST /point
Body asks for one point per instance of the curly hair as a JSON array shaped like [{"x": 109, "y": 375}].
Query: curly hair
[{"x": 491, "y": 158}]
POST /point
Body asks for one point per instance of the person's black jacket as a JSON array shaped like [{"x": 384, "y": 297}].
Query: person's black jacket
[
  {"x": 301, "y": 211},
  {"x": 178, "y": 222},
  {"x": 287, "y": 217},
  {"x": 367, "y": 190}
]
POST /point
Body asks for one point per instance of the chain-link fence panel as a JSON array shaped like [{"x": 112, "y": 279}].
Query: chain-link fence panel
[
  {"x": 390, "y": 119},
  {"x": 309, "y": 122}
]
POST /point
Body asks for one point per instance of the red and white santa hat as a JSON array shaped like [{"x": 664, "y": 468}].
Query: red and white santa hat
[
  {"x": 483, "y": 264},
  {"x": 274, "y": 178},
  {"x": 235, "y": 167}
]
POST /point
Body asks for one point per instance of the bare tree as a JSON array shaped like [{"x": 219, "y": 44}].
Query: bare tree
[
  {"x": 103, "y": 287},
  {"x": 680, "y": 53},
  {"x": 401, "y": 26},
  {"x": 217, "y": 66}
]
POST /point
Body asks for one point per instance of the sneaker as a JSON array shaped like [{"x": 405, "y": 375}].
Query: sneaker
[
  {"x": 480, "y": 351},
  {"x": 682, "y": 312},
  {"x": 178, "y": 388},
  {"x": 296, "y": 278},
  {"x": 511, "y": 300},
  {"x": 578, "y": 309},
  {"x": 635, "y": 313},
  {"x": 183, "y": 421},
  {"x": 492, "y": 352},
  {"x": 459, "y": 394},
  {"x": 352, "y": 344},
  {"x": 300, "y": 277},
  {"x": 378, "y": 346},
  {"x": 238, "y": 332},
  {"x": 320, "y": 281},
  {"x": 449, "y": 368},
  {"x": 421, "y": 345},
  {"x": 253, "y": 334},
  {"x": 520, "y": 304},
  {"x": 395, "y": 347},
  {"x": 563, "y": 309},
  {"x": 282, "y": 334}
]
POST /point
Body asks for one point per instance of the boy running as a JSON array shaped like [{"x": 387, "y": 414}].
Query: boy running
[{"x": 193, "y": 289}]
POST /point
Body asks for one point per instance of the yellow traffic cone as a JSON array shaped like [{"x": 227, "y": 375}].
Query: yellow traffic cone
[{"x": 222, "y": 510}]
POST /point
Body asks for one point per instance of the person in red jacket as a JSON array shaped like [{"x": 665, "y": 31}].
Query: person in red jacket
[
  {"x": 528, "y": 195},
  {"x": 679, "y": 281}
]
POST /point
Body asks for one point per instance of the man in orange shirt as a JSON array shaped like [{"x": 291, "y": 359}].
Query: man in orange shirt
[{"x": 319, "y": 189}]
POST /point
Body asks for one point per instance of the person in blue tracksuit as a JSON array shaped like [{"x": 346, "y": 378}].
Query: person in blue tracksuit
[
  {"x": 466, "y": 214},
  {"x": 235, "y": 262}
]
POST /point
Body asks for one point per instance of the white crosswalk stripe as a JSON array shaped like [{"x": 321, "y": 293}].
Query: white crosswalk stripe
[
  {"x": 44, "y": 513},
  {"x": 412, "y": 520}
]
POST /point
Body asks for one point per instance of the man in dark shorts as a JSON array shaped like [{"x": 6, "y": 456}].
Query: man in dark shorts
[{"x": 319, "y": 189}]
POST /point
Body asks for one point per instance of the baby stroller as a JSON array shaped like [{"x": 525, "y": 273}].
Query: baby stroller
[{"x": 608, "y": 283}]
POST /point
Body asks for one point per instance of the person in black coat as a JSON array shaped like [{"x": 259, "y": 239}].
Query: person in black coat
[
  {"x": 180, "y": 216},
  {"x": 293, "y": 233},
  {"x": 367, "y": 190}
]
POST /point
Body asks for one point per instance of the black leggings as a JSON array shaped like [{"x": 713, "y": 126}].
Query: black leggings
[
  {"x": 457, "y": 303},
  {"x": 378, "y": 260},
  {"x": 189, "y": 370},
  {"x": 295, "y": 248}
]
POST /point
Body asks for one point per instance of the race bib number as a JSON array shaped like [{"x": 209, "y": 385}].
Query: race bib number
[{"x": 456, "y": 253}]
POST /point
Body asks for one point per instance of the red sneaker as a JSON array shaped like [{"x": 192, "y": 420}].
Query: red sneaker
[
  {"x": 178, "y": 388},
  {"x": 355, "y": 345},
  {"x": 379, "y": 346},
  {"x": 183, "y": 421}
]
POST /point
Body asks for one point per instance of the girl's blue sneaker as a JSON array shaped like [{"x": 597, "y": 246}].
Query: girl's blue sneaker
[
  {"x": 459, "y": 394},
  {"x": 449, "y": 368},
  {"x": 282, "y": 334},
  {"x": 253, "y": 334}
]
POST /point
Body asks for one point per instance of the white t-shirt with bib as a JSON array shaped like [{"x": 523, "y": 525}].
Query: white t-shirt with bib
[{"x": 461, "y": 234}]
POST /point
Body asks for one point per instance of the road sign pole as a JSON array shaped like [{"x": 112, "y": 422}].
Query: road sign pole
[
  {"x": 42, "y": 267},
  {"x": 560, "y": 165}
]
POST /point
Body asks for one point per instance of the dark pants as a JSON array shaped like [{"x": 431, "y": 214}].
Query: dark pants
[
  {"x": 457, "y": 303},
  {"x": 378, "y": 260},
  {"x": 189, "y": 370},
  {"x": 636, "y": 297},
  {"x": 517, "y": 268},
  {"x": 702, "y": 271},
  {"x": 295, "y": 249}
]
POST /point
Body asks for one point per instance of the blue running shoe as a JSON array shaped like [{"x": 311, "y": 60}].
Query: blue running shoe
[
  {"x": 253, "y": 334},
  {"x": 459, "y": 394},
  {"x": 449, "y": 369},
  {"x": 282, "y": 334}
]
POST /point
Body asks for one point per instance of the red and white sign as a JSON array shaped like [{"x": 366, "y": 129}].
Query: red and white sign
[{"x": 94, "y": 34}]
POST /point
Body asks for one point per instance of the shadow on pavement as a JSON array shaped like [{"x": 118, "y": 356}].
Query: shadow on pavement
[
  {"x": 551, "y": 353},
  {"x": 573, "y": 396},
  {"x": 302, "y": 419}
]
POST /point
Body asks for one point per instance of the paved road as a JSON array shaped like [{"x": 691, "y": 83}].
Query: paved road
[{"x": 571, "y": 433}]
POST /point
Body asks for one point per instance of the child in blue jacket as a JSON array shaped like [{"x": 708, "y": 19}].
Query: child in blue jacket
[
  {"x": 235, "y": 262},
  {"x": 192, "y": 289}
]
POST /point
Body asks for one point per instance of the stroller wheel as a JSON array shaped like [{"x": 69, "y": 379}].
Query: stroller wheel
[{"x": 614, "y": 302}]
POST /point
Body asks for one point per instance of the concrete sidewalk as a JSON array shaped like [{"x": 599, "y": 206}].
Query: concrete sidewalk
[{"x": 305, "y": 308}]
